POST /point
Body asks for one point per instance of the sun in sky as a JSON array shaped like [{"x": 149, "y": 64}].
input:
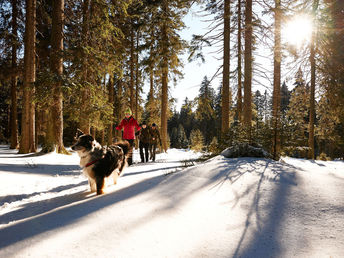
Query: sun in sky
[{"x": 298, "y": 30}]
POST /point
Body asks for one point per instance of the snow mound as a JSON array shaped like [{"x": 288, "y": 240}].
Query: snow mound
[{"x": 245, "y": 150}]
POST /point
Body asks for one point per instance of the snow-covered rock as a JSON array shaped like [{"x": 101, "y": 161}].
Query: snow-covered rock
[{"x": 245, "y": 150}]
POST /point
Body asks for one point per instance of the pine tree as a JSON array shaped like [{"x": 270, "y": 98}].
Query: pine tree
[
  {"x": 247, "y": 110},
  {"x": 205, "y": 112},
  {"x": 277, "y": 80},
  {"x": 226, "y": 67},
  {"x": 27, "y": 142},
  {"x": 14, "y": 79},
  {"x": 311, "y": 153},
  {"x": 239, "y": 63},
  {"x": 196, "y": 140},
  {"x": 54, "y": 130},
  {"x": 187, "y": 118},
  {"x": 298, "y": 112},
  {"x": 181, "y": 141}
]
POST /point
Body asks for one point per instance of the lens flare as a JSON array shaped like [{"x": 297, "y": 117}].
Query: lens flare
[{"x": 298, "y": 31}]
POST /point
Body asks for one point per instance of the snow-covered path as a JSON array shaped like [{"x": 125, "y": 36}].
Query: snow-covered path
[{"x": 221, "y": 208}]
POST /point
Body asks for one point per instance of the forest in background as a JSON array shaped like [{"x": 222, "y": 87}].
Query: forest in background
[{"x": 80, "y": 64}]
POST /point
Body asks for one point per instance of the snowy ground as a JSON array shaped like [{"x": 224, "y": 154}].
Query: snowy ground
[{"x": 243, "y": 207}]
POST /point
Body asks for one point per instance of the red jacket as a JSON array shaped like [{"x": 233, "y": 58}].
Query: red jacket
[{"x": 128, "y": 126}]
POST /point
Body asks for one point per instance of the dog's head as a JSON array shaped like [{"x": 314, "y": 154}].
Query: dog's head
[{"x": 84, "y": 142}]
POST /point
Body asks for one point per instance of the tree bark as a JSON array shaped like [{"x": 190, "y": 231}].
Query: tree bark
[
  {"x": 84, "y": 121},
  {"x": 239, "y": 95},
  {"x": 277, "y": 81},
  {"x": 111, "y": 101},
  {"x": 164, "y": 89},
  {"x": 247, "y": 110},
  {"x": 132, "y": 57},
  {"x": 137, "y": 77},
  {"x": 57, "y": 68},
  {"x": 27, "y": 143},
  {"x": 311, "y": 153},
  {"x": 226, "y": 68},
  {"x": 14, "y": 79}
]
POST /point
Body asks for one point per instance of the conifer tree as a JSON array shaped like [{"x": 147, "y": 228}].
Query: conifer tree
[
  {"x": 205, "y": 112},
  {"x": 196, "y": 140},
  {"x": 247, "y": 109},
  {"x": 54, "y": 130},
  {"x": 298, "y": 112},
  {"x": 14, "y": 77},
  {"x": 311, "y": 153},
  {"x": 226, "y": 67},
  {"x": 277, "y": 80},
  {"x": 27, "y": 142}
]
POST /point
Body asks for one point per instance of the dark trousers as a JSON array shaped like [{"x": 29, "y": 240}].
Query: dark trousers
[
  {"x": 130, "y": 152},
  {"x": 152, "y": 149},
  {"x": 144, "y": 155}
]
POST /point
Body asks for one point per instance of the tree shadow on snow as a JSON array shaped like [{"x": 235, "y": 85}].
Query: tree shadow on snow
[
  {"x": 176, "y": 188},
  {"x": 42, "y": 169},
  {"x": 263, "y": 238},
  {"x": 265, "y": 241},
  {"x": 69, "y": 211},
  {"x": 34, "y": 208}
]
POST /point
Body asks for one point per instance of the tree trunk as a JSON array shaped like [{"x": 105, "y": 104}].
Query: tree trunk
[
  {"x": 311, "y": 153},
  {"x": 239, "y": 95},
  {"x": 276, "y": 100},
  {"x": 226, "y": 68},
  {"x": 132, "y": 57},
  {"x": 84, "y": 121},
  {"x": 111, "y": 101},
  {"x": 137, "y": 77},
  {"x": 247, "y": 110},
  {"x": 164, "y": 82},
  {"x": 13, "y": 115},
  {"x": 54, "y": 130},
  {"x": 27, "y": 143}
]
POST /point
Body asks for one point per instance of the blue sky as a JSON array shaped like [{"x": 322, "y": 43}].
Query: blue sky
[{"x": 194, "y": 72}]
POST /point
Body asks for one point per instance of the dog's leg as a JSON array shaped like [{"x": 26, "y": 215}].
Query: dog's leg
[
  {"x": 115, "y": 176},
  {"x": 100, "y": 185},
  {"x": 122, "y": 167},
  {"x": 92, "y": 184}
]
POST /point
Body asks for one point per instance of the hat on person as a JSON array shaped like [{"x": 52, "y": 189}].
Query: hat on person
[
  {"x": 128, "y": 111},
  {"x": 144, "y": 123},
  {"x": 153, "y": 124}
]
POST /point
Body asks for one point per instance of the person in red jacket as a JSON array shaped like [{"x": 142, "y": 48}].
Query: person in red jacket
[{"x": 128, "y": 124}]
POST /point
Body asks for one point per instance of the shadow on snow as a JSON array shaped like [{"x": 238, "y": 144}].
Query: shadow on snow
[{"x": 264, "y": 243}]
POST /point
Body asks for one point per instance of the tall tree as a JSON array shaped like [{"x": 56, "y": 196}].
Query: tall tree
[
  {"x": 132, "y": 61},
  {"x": 54, "y": 130},
  {"x": 277, "y": 80},
  {"x": 84, "y": 121},
  {"x": 205, "y": 113},
  {"x": 247, "y": 110},
  {"x": 27, "y": 143},
  {"x": 164, "y": 77},
  {"x": 14, "y": 79},
  {"x": 311, "y": 153},
  {"x": 170, "y": 45},
  {"x": 112, "y": 103},
  {"x": 239, "y": 94},
  {"x": 298, "y": 112},
  {"x": 226, "y": 67}
]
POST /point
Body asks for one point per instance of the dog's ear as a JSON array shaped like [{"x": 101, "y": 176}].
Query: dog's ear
[
  {"x": 78, "y": 133},
  {"x": 89, "y": 138}
]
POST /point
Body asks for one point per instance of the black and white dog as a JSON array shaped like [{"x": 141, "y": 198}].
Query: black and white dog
[{"x": 100, "y": 162}]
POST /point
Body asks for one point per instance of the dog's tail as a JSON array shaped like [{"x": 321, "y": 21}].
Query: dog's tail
[{"x": 125, "y": 146}]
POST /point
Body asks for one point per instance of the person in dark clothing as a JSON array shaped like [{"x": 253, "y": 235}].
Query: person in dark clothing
[
  {"x": 155, "y": 139},
  {"x": 128, "y": 124},
  {"x": 145, "y": 137}
]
